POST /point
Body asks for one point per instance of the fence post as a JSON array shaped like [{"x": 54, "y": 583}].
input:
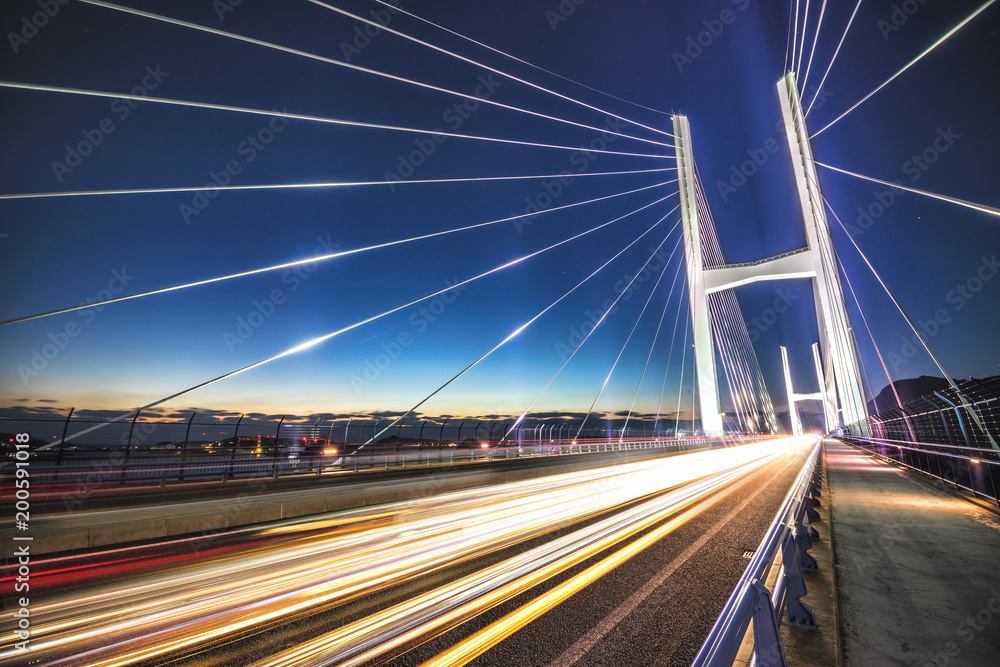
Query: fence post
[
  {"x": 800, "y": 614},
  {"x": 274, "y": 450},
  {"x": 766, "y": 636},
  {"x": 62, "y": 441},
  {"x": 128, "y": 446},
  {"x": 184, "y": 446},
  {"x": 232, "y": 453}
]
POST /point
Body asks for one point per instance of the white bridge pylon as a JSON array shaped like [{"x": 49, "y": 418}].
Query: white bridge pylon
[
  {"x": 824, "y": 394},
  {"x": 816, "y": 261}
]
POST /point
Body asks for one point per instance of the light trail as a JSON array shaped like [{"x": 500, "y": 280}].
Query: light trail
[
  {"x": 499, "y": 630},
  {"x": 395, "y": 628},
  {"x": 205, "y": 605}
]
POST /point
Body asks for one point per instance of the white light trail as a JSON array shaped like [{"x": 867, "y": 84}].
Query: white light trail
[{"x": 195, "y": 606}]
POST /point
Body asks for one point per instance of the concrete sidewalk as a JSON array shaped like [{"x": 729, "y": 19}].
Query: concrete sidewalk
[{"x": 917, "y": 569}]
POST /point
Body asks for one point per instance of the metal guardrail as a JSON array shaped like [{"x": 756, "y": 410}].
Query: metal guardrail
[
  {"x": 971, "y": 468},
  {"x": 86, "y": 471},
  {"x": 789, "y": 536}
]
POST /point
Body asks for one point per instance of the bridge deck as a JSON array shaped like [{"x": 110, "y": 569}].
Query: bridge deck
[{"x": 916, "y": 567}]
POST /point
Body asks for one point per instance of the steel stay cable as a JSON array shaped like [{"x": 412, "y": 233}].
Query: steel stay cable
[
  {"x": 511, "y": 336},
  {"x": 323, "y": 338},
  {"x": 907, "y": 66},
  {"x": 315, "y": 258},
  {"x": 597, "y": 325},
  {"x": 819, "y": 88},
  {"x": 311, "y": 118},
  {"x": 357, "y": 68},
  {"x": 486, "y": 67},
  {"x": 652, "y": 346},
  {"x": 525, "y": 62},
  {"x": 628, "y": 338}
]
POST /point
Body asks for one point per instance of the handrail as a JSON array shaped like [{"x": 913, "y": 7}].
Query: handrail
[
  {"x": 751, "y": 600},
  {"x": 919, "y": 446}
]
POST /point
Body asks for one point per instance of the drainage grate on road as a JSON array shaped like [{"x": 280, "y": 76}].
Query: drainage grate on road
[{"x": 748, "y": 554}]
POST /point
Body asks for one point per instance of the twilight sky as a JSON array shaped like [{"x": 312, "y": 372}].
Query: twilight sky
[{"x": 933, "y": 129}]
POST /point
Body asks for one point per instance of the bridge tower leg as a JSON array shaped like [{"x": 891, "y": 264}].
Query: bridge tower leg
[
  {"x": 704, "y": 349},
  {"x": 831, "y": 313},
  {"x": 841, "y": 385}
]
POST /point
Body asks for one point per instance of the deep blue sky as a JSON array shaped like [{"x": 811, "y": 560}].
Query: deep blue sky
[{"x": 58, "y": 252}]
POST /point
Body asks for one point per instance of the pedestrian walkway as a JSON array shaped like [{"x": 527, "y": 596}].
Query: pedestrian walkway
[{"x": 917, "y": 568}]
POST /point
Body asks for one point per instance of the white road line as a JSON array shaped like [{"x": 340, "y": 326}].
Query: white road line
[{"x": 587, "y": 642}]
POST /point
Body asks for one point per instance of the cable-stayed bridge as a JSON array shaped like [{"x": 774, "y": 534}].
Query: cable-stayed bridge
[{"x": 461, "y": 445}]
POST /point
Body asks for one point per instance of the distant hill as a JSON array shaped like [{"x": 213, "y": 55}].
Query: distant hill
[{"x": 909, "y": 390}]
